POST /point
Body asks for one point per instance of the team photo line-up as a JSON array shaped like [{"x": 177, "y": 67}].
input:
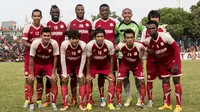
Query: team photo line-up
[{"x": 80, "y": 50}]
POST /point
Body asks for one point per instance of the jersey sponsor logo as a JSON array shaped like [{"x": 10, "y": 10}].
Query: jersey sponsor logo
[
  {"x": 73, "y": 58},
  {"x": 100, "y": 57},
  {"x": 83, "y": 31},
  {"x": 161, "y": 51},
  {"x": 109, "y": 31},
  {"x": 130, "y": 59},
  {"x": 57, "y": 33},
  {"x": 43, "y": 56}
]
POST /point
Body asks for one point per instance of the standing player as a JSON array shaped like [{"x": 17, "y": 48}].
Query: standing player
[
  {"x": 127, "y": 23},
  {"x": 100, "y": 53},
  {"x": 108, "y": 24},
  {"x": 73, "y": 57},
  {"x": 31, "y": 32},
  {"x": 131, "y": 61},
  {"x": 151, "y": 65},
  {"x": 168, "y": 55},
  {"x": 43, "y": 51},
  {"x": 84, "y": 26},
  {"x": 58, "y": 29}
]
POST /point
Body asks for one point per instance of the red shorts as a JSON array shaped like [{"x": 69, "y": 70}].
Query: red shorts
[
  {"x": 166, "y": 72},
  {"x": 26, "y": 64},
  {"x": 43, "y": 70},
  {"x": 94, "y": 71},
  {"x": 153, "y": 71},
  {"x": 124, "y": 70}
]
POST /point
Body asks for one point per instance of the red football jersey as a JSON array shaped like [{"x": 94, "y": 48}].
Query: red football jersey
[
  {"x": 73, "y": 57},
  {"x": 163, "y": 50},
  {"x": 57, "y": 30},
  {"x": 131, "y": 57},
  {"x": 43, "y": 54},
  {"x": 109, "y": 27},
  {"x": 100, "y": 56},
  {"x": 83, "y": 26},
  {"x": 30, "y": 33}
]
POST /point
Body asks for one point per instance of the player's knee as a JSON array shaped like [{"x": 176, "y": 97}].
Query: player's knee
[
  {"x": 176, "y": 80},
  {"x": 166, "y": 80}
]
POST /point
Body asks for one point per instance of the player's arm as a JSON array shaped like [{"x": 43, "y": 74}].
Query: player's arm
[
  {"x": 55, "y": 54},
  {"x": 25, "y": 36},
  {"x": 88, "y": 61},
  {"x": 116, "y": 34},
  {"x": 63, "y": 60},
  {"x": 111, "y": 53},
  {"x": 143, "y": 35},
  {"x": 82, "y": 64}
]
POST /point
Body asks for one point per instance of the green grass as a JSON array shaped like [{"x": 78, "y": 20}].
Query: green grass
[{"x": 12, "y": 95}]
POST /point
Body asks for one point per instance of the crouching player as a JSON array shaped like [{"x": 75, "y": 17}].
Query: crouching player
[
  {"x": 73, "y": 57},
  {"x": 100, "y": 61},
  {"x": 168, "y": 55},
  {"x": 131, "y": 61},
  {"x": 42, "y": 52}
]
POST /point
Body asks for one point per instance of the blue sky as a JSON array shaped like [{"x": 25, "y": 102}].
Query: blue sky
[{"x": 18, "y": 10}]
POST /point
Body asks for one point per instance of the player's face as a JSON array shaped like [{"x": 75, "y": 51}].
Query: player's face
[
  {"x": 80, "y": 11},
  {"x": 99, "y": 38},
  {"x": 36, "y": 17},
  {"x": 155, "y": 19},
  {"x": 152, "y": 30},
  {"x": 129, "y": 39},
  {"x": 104, "y": 12},
  {"x": 74, "y": 41},
  {"x": 55, "y": 14},
  {"x": 127, "y": 14},
  {"x": 46, "y": 36}
]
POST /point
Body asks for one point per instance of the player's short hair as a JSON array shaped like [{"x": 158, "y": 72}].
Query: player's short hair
[
  {"x": 127, "y": 31},
  {"x": 153, "y": 14},
  {"x": 54, "y": 6},
  {"x": 37, "y": 10},
  {"x": 153, "y": 22},
  {"x": 78, "y": 5},
  {"x": 103, "y": 5},
  {"x": 46, "y": 30},
  {"x": 99, "y": 30},
  {"x": 73, "y": 34}
]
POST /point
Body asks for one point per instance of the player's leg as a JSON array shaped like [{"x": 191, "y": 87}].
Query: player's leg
[
  {"x": 88, "y": 91},
  {"x": 178, "y": 90},
  {"x": 30, "y": 91},
  {"x": 48, "y": 92},
  {"x": 64, "y": 92},
  {"x": 26, "y": 73},
  {"x": 73, "y": 86},
  {"x": 111, "y": 91},
  {"x": 81, "y": 92},
  {"x": 166, "y": 92},
  {"x": 39, "y": 89},
  {"x": 101, "y": 81}
]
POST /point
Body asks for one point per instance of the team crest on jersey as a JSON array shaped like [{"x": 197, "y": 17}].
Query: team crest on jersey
[
  {"x": 152, "y": 46},
  {"x": 61, "y": 26},
  {"x": 105, "y": 50},
  {"x": 79, "y": 51},
  {"x": 87, "y": 24},
  {"x": 135, "y": 53},
  {"x": 162, "y": 44},
  {"x": 37, "y": 33},
  {"x": 50, "y": 50},
  {"x": 111, "y": 24}
]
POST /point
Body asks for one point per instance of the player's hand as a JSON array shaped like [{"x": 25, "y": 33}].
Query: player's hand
[
  {"x": 30, "y": 79},
  {"x": 88, "y": 77},
  {"x": 174, "y": 69},
  {"x": 111, "y": 76},
  {"x": 65, "y": 79},
  {"x": 54, "y": 77}
]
